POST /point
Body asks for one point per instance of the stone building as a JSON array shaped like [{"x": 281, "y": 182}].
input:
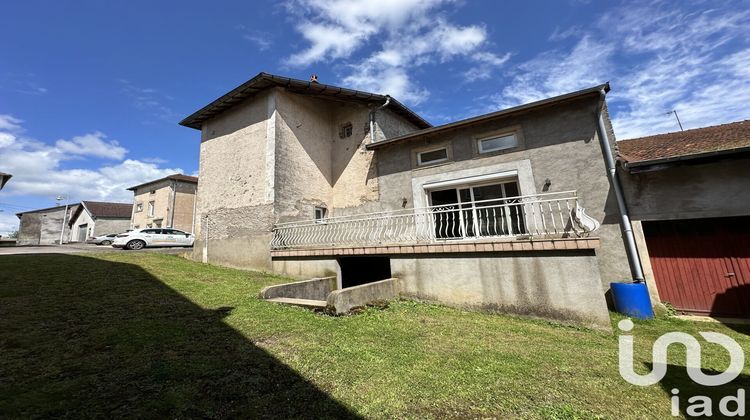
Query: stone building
[
  {"x": 165, "y": 202},
  {"x": 310, "y": 180},
  {"x": 94, "y": 218},
  {"x": 43, "y": 226}
]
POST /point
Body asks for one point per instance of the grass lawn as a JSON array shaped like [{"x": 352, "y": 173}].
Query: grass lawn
[{"x": 151, "y": 335}]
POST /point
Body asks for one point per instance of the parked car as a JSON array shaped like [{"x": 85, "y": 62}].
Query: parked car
[
  {"x": 102, "y": 239},
  {"x": 153, "y": 237}
]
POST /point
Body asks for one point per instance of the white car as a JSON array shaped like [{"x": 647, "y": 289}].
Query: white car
[{"x": 151, "y": 237}]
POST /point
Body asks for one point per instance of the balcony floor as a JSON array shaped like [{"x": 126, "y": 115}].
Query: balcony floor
[{"x": 445, "y": 247}]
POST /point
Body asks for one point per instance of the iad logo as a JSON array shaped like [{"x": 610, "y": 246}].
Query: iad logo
[{"x": 702, "y": 404}]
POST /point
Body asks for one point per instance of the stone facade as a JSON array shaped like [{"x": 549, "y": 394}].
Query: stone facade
[
  {"x": 42, "y": 227},
  {"x": 173, "y": 204},
  {"x": 276, "y": 157}
]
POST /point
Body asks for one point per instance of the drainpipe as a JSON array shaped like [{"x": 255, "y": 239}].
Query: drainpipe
[
  {"x": 614, "y": 181},
  {"x": 372, "y": 118},
  {"x": 174, "y": 197}
]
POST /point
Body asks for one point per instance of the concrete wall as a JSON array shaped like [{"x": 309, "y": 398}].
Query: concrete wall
[
  {"x": 235, "y": 193},
  {"x": 43, "y": 228},
  {"x": 559, "y": 144},
  {"x": 106, "y": 226},
  {"x": 717, "y": 189},
  {"x": 560, "y": 285},
  {"x": 181, "y": 215}
]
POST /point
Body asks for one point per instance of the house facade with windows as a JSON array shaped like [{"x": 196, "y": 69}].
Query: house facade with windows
[
  {"x": 311, "y": 180},
  {"x": 94, "y": 218},
  {"x": 167, "y": 202}
]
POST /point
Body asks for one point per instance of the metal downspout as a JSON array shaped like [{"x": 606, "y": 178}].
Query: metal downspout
[
  {"x": 372, "y": 118},
  {"x": 627, "y": 229},
  {"x": 174, "y": 198}
]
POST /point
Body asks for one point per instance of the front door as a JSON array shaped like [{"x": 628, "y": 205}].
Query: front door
[{"x": 82, "y": 231}]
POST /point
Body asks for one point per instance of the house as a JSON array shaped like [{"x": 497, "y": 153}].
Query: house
[
  {"x": 690, "y": 203},
  {"x": 94, "y": 218},
  {"x": 165, "y": 202},
  {"x": 309, "y": 180},
  {"x": 45, "y": 226},
  {"x": 4, "y": 178}
]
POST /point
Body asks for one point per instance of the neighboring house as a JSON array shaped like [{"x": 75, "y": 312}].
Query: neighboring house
[
  {"x": 43, "y": 226},
  {"x": 307, "y": 179},
  {"x": 165, "y": 202},
  {"x": 689, "y": 197},
  {"x": 94, "y": 218},
  {"x": 4, "y": 178}
]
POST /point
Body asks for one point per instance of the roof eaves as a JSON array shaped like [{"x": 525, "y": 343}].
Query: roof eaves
[
  {"x": 497, "y": 114},
  {"x": 640, "y": 166}
]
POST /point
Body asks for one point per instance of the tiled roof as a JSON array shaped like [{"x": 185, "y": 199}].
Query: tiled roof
[
  {"x": 681, "y": 144},
  {"x": 176, "y": 177},
  {"x": 102, "y": 209}
]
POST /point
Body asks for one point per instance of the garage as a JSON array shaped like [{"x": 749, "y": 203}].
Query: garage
[{"x": 702, "y": 266}]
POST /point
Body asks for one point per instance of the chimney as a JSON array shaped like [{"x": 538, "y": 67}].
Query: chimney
[{"x": 313, "y": 78}]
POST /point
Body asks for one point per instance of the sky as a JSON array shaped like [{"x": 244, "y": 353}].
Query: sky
[{"x": 91, "y": 92}]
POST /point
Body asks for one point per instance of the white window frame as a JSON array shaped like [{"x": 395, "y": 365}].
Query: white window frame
[
  {"x": 482, "y": 150},
  {"x": 432, "y": 162},
  {"x": 151, "y": 208},
  {"x": 322, "y": 211}
]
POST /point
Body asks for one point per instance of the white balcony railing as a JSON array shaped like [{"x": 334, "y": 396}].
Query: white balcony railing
[{"x": 550, "y": 215}]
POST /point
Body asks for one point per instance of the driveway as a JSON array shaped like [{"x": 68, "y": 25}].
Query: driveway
[{"x": 76, "y": 248}]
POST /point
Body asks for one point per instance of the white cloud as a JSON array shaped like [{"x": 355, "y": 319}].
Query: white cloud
[
  {"x": 262, "y": 40},
  {"x": 10, "y": 123},
  {"x": 148, "y": 100},
  {"x": 404, "y": 35},
  {"x": 40, "y": 170},
  {"x": 658, "y": 57},
  {"x": 93, "y": 144}
]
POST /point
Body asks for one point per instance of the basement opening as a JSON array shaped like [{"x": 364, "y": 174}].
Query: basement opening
[{"x": 362, "y": 270}]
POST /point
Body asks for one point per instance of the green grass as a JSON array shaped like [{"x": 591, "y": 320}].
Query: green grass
[{"x": 150, "y": 335}]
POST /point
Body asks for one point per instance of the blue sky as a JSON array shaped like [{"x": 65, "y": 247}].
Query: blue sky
[{"x": 91, "y": 92}]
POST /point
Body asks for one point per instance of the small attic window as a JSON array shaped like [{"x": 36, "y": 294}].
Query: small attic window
[{"x": 345, "y": 130}]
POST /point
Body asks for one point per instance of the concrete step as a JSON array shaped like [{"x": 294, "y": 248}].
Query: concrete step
[{"x": 305, "y": 303}]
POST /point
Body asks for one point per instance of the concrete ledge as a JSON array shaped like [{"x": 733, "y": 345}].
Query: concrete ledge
[
  {"x": 343, "y": 300},
  {"x": 313, "y": 289},
  {"x": 446, "y": 247}
]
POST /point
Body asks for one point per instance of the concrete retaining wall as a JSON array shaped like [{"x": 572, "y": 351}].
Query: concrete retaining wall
[
  {"x": 313, "y": 289},
  {"x": 343, "y": 300},
  {"x": 557, "y": 285}
]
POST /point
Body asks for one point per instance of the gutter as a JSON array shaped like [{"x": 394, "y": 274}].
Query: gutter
[
  {"x": 372, "y": 118},
  {"x": 627, "y": 228},
  {"x": 171, "y": 208}
]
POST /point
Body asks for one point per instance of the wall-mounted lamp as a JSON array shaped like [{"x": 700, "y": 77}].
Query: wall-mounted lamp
[
  {"x": 547, "y": 184},
  {"x": 403, "y": 202}
]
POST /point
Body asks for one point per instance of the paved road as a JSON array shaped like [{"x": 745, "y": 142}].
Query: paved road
[{"x": 76, "y": 248}]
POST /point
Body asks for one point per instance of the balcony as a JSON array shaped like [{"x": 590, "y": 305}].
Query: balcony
[{"x": 532, "y": 217}]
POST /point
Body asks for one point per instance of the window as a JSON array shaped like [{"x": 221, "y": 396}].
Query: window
[
  {"x": 151, "y": 231},
  {"x": 432, "y": 156},
  {"x": 139, "y": 207},
  {"x": 493, "y": 144},
  {"x": 150, "y": 209},
  {"x": 320, "y": 213},
  {"x": 478, "y": 210},
  {"x": 345, "y": 130}
]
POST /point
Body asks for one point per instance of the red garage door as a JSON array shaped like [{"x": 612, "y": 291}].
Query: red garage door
[{"x": 702, "y": 265}]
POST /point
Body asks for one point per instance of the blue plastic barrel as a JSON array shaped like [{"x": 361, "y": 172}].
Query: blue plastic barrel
[{"x": 632, "y": 300}]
